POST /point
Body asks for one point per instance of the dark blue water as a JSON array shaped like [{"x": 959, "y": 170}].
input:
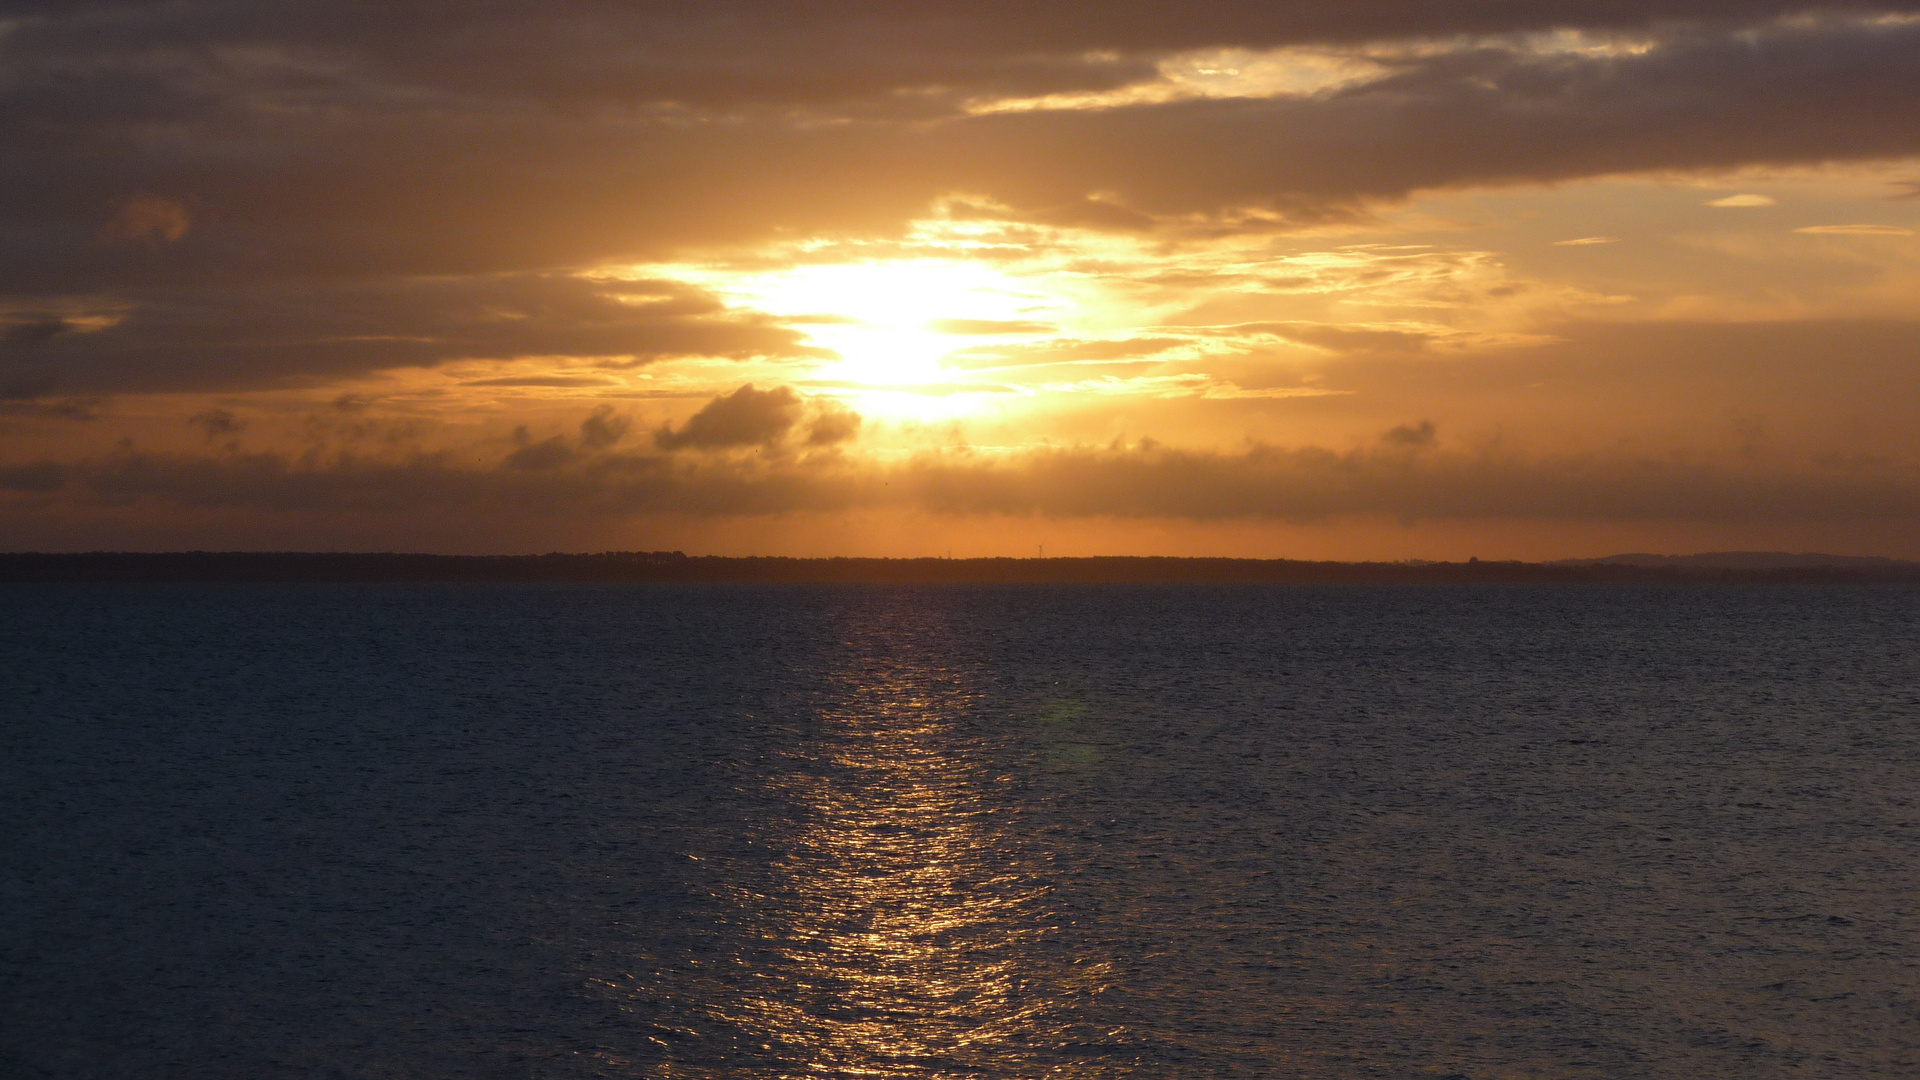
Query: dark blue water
[{"x": 396, "y": 832}]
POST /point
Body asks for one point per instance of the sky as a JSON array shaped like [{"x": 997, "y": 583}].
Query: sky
[{"x": 1382, "y": 279}]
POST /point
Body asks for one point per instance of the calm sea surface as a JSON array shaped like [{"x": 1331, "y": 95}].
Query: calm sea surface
[{"x": 1026, "y": 832}]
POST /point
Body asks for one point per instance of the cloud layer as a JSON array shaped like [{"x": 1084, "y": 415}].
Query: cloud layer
[
  {"x": 533, "y": 235},
  {"x": 1399, "y": 479}
]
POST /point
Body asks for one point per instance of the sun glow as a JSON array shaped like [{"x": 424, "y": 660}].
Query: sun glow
[
  {"x": 892, "y": 322},
  {"x": 989, "y": 321}
]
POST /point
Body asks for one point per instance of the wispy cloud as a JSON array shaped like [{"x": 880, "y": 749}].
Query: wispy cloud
[{"x": 1855, "y": 230}]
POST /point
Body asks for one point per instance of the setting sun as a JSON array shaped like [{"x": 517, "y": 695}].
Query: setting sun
[{"x": 892, "y": 323}]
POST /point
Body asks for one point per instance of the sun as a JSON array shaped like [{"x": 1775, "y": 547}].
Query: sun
[{"x": 891, "y": 322}]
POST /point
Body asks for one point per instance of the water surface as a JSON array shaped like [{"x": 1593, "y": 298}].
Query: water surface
[{"x": 1020, "y": 832}]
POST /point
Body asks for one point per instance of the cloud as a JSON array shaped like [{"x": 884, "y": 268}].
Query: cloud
[
  {"x": 989, "y": 327},
  {"x": 147, "y": 219},
  {"x": 1301, "y": 485},
  {"x": 746, "y": 417},
  {"x": 1855, "y": 230},
  {"x": 39, "y": 478},
  {"x": 734, "y": 53},
  {"x": 1732, "y": 202},
  {"x": 542, "y": 380},
  {"x": 32, "y": 331},
  {"x": 1066, "y": 351},
  {"x": 603, "y": 428},
  {"x": 76, "y": 409},
  {"x": 1586, "y": 240},
  {"x": 1410, "y": 436},
  {"x": 240, "y": 337},
  {"x": 215, "y": 423},
  {"x": 467, "y": 141},
  {"x": 549, "y": 453},
  {"x": 1696, "y": 100},
  {"x": 1351, "y": 337},
  {"x": 833, "y": 423}
]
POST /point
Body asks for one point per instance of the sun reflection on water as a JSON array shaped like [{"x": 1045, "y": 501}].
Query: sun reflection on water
[
  {"x": 907, "y": 923},
  {"x": 902, "y": 927}
]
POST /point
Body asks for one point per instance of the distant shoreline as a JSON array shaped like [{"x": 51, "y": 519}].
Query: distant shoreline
[{"x": 675, "y": 567}]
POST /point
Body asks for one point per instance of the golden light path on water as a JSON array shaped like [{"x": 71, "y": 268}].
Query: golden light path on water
[{"x": 904, "y": 923}]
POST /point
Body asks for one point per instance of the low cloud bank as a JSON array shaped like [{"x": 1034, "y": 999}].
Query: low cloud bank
[{"x": 1399, "y": 478}]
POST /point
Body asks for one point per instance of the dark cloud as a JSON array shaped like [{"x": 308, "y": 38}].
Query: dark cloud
[
  {"x": 216, "y": 423},
  {"x": 734, "y": 52},
  {"x": 1411, "y": 436},
  {"x": 833, "y": 423},
  {"x": 82, "y": 410},
  {"x": 1793, "y": 93},
  {"x": 550, "y": 453},
  {"x": 40, "y": 478},
  {"x": 603, "y": 428},
  {"x": 239, "y": 337},
  {"x": 746, "y": 417},
  {"x": 23, "y": 333},
  {"x": 78, "y": 410},
  {"x": 463, "y": 140}
]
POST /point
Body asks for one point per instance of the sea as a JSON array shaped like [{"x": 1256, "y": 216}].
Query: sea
[{"x": 523, "y": 831}]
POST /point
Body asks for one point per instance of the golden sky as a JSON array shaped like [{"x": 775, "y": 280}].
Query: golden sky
[{"x": 1367, "y": 280}]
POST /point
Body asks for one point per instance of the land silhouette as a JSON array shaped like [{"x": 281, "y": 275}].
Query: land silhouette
[{"x": 677, "y": 567}]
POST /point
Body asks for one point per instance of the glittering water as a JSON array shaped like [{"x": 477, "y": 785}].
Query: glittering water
[{"x": 959, "y": 832}]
